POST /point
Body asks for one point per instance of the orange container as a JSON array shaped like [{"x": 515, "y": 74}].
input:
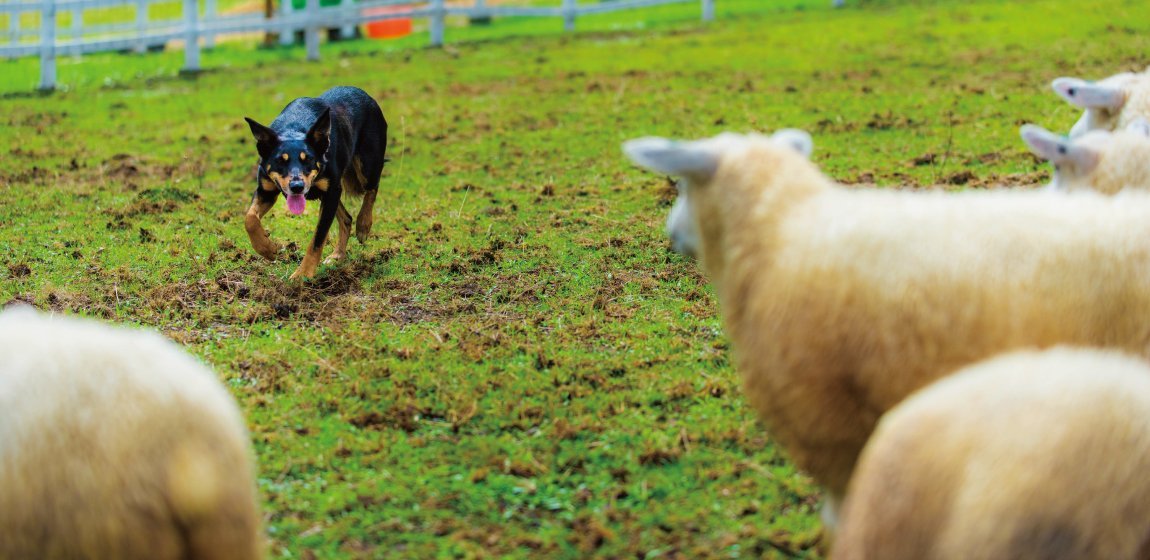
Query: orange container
[{"x": 388, "y": 28}]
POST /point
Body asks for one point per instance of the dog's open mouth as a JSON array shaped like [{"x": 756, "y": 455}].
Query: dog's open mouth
[{"x": 296, "y": 203}]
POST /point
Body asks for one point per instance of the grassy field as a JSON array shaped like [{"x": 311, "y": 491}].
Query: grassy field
[{"x": 514, "y": 365}]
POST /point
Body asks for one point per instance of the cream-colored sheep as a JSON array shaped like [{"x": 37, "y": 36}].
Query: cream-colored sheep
[
  {"x": 1028, "y": 456},
  {"x": 841, "y": 302},
  {"x": 115, "y": 444},
  {"x": 1107, "y": 162},
  {"x": 1109, "y": 104}
]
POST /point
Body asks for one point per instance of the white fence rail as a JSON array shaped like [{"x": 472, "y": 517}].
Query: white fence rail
[{"x": 197, "y": 30}]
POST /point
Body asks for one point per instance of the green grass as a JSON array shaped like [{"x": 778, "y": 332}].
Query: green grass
[{"x": 514, "y": 365}]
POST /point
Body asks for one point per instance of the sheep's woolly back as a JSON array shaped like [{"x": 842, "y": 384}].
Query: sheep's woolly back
[
  {"x": 1031, "y": 455},
  {"x": 114, "y": 443},
  {"x": 841, "y": 302},
  {"x": 1107, "y": 162},
  {"x": 1123, "y": 162}
]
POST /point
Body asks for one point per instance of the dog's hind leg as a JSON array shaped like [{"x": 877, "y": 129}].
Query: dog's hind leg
[
  {"x": 363, "y": 221},
  {"x": 371, "y": 154},
  {"x": 343, "y": 219}
]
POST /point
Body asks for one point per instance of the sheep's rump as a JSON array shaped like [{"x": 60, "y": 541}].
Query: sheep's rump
[{"x": 115, "y": 443}]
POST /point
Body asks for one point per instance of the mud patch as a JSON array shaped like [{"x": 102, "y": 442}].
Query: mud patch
[{"x": 19, "y": 270}]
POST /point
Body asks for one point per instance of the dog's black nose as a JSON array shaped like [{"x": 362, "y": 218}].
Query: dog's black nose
[{"x": 296, "y": 186}]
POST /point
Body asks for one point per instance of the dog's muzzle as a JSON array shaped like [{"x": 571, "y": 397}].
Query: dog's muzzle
[{"x": 296, "y": 185}]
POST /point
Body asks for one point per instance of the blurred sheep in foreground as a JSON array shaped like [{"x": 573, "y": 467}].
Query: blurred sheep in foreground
[
  {"x": 1030, "y": 456},
  {"x": 116, "y": 444}
]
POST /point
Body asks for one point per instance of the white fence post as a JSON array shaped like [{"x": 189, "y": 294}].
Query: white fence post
[
  {"x": 287, "y": 36},
  {"x": 48, "y": 45},
  {"x": 708, "y": 10},
  {"x": 191, "y": 37},
  {"x": 437, "y": 23},
  {"x": 141, "y": 25},
  {"x": 14, "y": 27},
  {"x": 436, "y": 28},
  {"x": 77, "y": 30},
  {"x": 347, "y": 31},
  {"x": 210, "y": 13},
  {"x": 569, "y": 15},
  {"x": 311, "y": 34}
]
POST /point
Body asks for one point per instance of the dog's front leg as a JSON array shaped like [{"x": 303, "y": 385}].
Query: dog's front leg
[
  {"x": 262, "y": 201},
  {"x": 328, "y": 207}
]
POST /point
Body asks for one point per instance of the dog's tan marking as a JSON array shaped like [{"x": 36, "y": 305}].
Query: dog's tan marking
[
  {"x": 303, "y": 156},
  {"x": 285, "y": 157},
  {"x": 321, "y": 184},
  {"x": 255, "y": 228},
  {"x": 280, "y": 180},
  {"x": 353, "y": 179},
  {"x": 343, "y": 218},
  {"x": 267, "y": 185},
  {"x": 363, "y": 220},
  {"x": 268, "y": 167}
]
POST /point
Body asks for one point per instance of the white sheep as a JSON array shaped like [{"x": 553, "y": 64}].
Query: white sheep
[
  {"x": 116, "y": 444},
  {"x": 840, "y": 302},
  {"x": 1110, "y": 104},
  {"x": 1031, "y": 455},
  {"x": 1107, "y": 162}
]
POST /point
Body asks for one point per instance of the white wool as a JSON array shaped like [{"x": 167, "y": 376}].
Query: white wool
[
  {"x": 115, "y": 443},
  {"x": 1029, "y": 455}
]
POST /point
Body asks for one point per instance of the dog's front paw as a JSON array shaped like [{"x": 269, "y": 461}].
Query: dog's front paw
[
  {"x": 332, "y": 258},
  {"x": 269, "y": 250},
  {"x": 303, "y": 273}
]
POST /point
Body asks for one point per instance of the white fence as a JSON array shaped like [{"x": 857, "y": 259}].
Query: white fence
[{"x": 196, "y": 29}]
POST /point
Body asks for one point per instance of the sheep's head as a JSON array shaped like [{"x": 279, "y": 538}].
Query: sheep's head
[
  {"x": 695, "y": 163},
  {"x": 1104, "y": 101},
  {"x": 1098, "y": 160}
]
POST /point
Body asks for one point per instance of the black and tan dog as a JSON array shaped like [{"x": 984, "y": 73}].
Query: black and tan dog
[{"x": 317, "y": 148}]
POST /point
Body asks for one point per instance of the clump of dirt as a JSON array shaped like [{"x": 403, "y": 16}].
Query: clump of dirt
[
  {"x": 925, "y": 159},
  {"x": 19, "y": 270},
  {"x": 959, "y": 177},
  {"x": 478, "y": 258},
  {"x": 889, "y": 120},
  {"x": 122, "y": 167},
  {"x": 150, "y": 201},
  {"x": 403, "y": 416}
]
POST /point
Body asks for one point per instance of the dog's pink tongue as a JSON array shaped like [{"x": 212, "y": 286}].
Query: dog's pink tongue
[{"x": 296, "y": 203}]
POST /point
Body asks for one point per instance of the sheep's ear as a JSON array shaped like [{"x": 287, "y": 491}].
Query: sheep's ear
[
  {"x": 1043, "y": 143},
  {"x": 1087, "y": 95},
  {"x": 1139, "y": 126},
  {"x": 797, "y": 139},
  {"x": 682, "y": 159},
  {"x": 1058, "y": 149}
]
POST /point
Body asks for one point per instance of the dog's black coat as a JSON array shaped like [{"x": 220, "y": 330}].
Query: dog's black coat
[{"x": 340, "y": 135}]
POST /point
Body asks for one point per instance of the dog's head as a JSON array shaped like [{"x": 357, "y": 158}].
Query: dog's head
[{"x": 293, "y": 164}]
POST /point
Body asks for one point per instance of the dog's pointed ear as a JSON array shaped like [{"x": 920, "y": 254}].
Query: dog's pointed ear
[
  {"x": 266, "y": 138},
  {"x": 320, "y": 134}
]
